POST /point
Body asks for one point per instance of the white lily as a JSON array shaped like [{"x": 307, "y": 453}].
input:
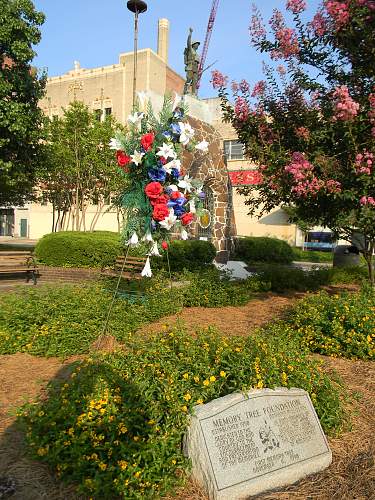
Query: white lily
[
  {"x": 133, "y": 242},
  {"x": 187, "y": 133},
  {"x": 142, "y": 98},
  {"x": 172, "y": 164},
  {"x": 136, "y": 119},
  {"x": 148, "y": 237},
  {"x": 166, "y": 151},
  {"x": 193, "y": 210},
  {"x": 184, "y": 235},
  {"x": 169, "y": 221},
  {"x": 172, "y": 187},
  {"x": 115, "y": 144},
  {"x": 147, "y": 269},
  {"x": 176, "y": 101},
  {"x": 155, "y": 249},
  {"x": 202, "y": 146},
  {"x": 185, "y": 183},
  {"x": 137, "y": 157}
]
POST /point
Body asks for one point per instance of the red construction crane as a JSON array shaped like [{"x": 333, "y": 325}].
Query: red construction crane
[{"x": 210, "y": 26}]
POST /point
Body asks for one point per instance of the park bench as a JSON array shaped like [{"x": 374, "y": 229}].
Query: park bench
[
  {"x": 131, "y": 270},
  {"x": 14, "y": 262}
]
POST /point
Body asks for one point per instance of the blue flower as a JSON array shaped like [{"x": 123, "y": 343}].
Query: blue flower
[
  {"x": 175, "y": 173},
  {"x": 202, "y": 195},
  {"x": 167, "y": 134},
  {"x": 178, "y": 114},
  {"x": 175, "y": 128},
  {"x": 178, "y": 211},
  {"x": 157, "y": 174},
  {"x": 177, "y": 205}
]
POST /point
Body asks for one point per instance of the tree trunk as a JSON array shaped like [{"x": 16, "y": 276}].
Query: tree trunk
[{"x": 369, "y": 257}]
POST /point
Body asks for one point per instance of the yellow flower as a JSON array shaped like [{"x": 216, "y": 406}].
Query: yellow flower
[
  {"x": 237, "y": 349},
  {"x": 151, "y": 422},
  {"x": 122, "y": 464},
  {"x": 185, "y": 376},
  {"x": 42, "y": 451},
  {"x": 187, "y": 397},
  {"x": 71, "y": 431},
  {"x": 184, "y": 408},
  {"x": 212, "y": 378},
  {"x": 196, "y": 379},
  {"x": 260, "y": 384},
  {"x": 223, "y": 373},
  {"x": 102, "y": 465},
  {"x": 206, "y": 382},
  {"x": 199, "y": 401},
  {"x": 174, "y": 462},
  {"x": 136, "y": 438},
  {"x": 40, "y": 414},
  {"x": 137, "y": 474}
]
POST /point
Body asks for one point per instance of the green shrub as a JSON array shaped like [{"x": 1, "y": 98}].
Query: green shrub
[
  {"x": 311, "y": 255},
  {"x": 262, "y": 249},
  {"x": 338, "y": 326},
  {"x": 280, "y": 278},
  {"x": 192, "y": 255},
  {"x": 209, "y": 289},
  {"x": 115, "y": 428},
  {"x": 79, "y": 249}
]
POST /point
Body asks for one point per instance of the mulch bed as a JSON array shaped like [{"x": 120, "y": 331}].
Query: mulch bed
[{"x": 350, "y": 477}]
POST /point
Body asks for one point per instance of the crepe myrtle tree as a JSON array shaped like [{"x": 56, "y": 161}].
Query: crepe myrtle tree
[{"x": 310, "y": 124}]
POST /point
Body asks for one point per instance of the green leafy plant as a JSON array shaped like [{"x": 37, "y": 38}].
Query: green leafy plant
[
  {"x": 79, "y": 249},
  {"x": 338, "y": 326},
  {"x": 115, "y": 428},
  {"x": 262, "y": 249}
]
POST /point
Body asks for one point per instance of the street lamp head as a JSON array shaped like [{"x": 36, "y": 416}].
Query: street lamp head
[{"x": 137, "y": 6}]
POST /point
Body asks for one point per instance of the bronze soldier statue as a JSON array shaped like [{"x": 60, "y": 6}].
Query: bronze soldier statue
[{"x": 191, "y": 59}]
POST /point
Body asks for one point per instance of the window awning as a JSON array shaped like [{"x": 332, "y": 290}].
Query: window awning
[{"x": 244, "y": 177}]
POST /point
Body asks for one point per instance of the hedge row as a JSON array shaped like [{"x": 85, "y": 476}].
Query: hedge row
[
  {"x": 262, "y": 249},
  {"x": 100, "y": 248}
]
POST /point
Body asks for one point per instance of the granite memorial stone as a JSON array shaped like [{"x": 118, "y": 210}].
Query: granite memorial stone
[{"x": 243, "y": 444}]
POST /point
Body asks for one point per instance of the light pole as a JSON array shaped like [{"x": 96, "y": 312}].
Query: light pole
[{"x": 137, "y": 7}]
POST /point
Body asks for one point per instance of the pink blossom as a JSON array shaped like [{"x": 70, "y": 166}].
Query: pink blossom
[
  {"x": 259, "y": 88},
  {"x": 303, "y": 132},
  {"x": 218, "y": 80},
  {"x": 277, "y": 21},
  {"x": 318, "y": 24},
  {"x": 257, "y": 29},
  {"x": 241, "y": 109},
  {"x": 363, "y": 162},
  {"x": 288, "y": 44},
  {"x": 333, "y": 186},
  {"x": 296, "y": 6},
  {"x": 281, "y": 70},
  {"x": 367, "y": 200},
  {"x": 339, "y": 12},
  {"x": 370, "y": 4},
  {"x": 244, "y": 86},
  {"x": 345, "y": 107},
  {"x": 305, "y": 182},
  {"x": 235, "y": 87},
  {"x": 371, "y": 113}
]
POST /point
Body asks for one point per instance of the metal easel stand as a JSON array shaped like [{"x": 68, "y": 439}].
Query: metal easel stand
[{"x": 105, "y": 326}]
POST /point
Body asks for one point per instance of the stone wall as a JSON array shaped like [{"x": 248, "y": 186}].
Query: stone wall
[{"x": 211, "y": 169}]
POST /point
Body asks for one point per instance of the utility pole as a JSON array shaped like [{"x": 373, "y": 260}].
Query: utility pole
[{"x": 137, "y": 7}]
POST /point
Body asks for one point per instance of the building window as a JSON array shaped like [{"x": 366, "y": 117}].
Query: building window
[
  {"x": 98, "y": 114},
  {"x": 107, "y": 112},
  {"x": 234, "y": 150}
]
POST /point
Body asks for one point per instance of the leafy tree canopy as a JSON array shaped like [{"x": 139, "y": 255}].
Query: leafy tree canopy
[
  {"x": 310, "y": 124},
  {"x": 20, "y": 90}
]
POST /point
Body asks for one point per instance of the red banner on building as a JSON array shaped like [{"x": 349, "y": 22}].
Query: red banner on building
[{"x": 245, "y": 177}]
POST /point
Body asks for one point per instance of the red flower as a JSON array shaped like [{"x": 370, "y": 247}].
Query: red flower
[
  {"x": 122, "y": 158},
  {"x": 187, "y": 218},
  {"x": 161, "y": 211},
  {"x": 160, "y": 200},
  {"x": 147, "y": 141},
  {"x": 164, "y": 245},
  {"x": 175, "y": 195},
  {"x": 153, "y": 190}
]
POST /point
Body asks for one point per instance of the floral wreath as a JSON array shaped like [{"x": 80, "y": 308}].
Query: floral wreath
[{"x": 159, "y": 199}]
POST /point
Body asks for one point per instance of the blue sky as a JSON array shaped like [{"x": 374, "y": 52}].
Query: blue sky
[{"x": 95, "y": 32}]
